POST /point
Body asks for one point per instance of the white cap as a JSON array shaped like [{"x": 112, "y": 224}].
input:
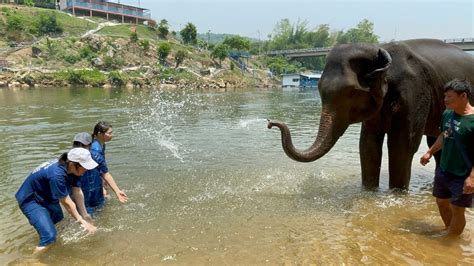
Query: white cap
[
  {"x": 83, "y": 157},
  {"x": 83, "y": 137}
]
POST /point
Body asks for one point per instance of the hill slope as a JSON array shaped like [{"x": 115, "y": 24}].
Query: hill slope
[{"x": 106, "y": 55}]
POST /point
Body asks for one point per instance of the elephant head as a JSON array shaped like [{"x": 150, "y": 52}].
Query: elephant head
[{"x": 352, "y": 88}]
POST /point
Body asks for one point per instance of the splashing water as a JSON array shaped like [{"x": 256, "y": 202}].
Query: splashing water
[
  {"x": 154, "y": 119},
  {"x": 249, "y": 123}
]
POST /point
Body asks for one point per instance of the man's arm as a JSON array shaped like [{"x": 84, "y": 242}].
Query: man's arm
[
  {"x": 122, "y": 197},
  {"x": 432, "y": 150},
  {"x": 71, "y": 209}
]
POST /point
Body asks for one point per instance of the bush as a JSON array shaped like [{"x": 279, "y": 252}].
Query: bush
[
  {"x": 144, "y": 44},
  {"x": 133, "y": 37},
  {"x": 30, "y": 3},
  {"x": 80, "y": 77},
  {"x": 163, "y": 51},
  {"x": 75, "y": 77},
  {"x": 112, "y": 62},
  {"x": 116, "y": 79},
  {"x": 48, "y": 25},
  {"x": 151, "y": 24},
  {"x": 180, "y": 56},
  {"x": 28, "y": 79},
  {"x": 51, "y": 46},
  {"x": 87, "y": 53},
  {"x": 14, "y": 24},
  {"x": 72, "y": 59}
]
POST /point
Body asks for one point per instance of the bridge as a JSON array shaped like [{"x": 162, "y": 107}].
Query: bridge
[{"x": 466, "y": 44}]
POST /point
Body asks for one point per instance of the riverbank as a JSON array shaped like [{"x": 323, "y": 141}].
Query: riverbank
[
  {"x": 96, "y": 53},
  {"x": 134, "y": 77}
]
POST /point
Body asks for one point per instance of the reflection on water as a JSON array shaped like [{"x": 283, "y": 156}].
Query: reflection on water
[{"x": 209, "y": 183}]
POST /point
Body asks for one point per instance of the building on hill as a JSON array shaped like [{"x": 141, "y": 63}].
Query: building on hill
[{"x": 107, "y": 10}]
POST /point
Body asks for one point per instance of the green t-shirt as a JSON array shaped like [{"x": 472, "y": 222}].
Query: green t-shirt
[{"x": 452, "y": 160}]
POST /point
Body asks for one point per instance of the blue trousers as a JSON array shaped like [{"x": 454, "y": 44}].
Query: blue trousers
[{"x": 43, "y": 220}]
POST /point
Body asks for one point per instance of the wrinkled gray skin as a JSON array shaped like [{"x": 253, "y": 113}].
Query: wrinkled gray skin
[{"x": 394, "y": 89}]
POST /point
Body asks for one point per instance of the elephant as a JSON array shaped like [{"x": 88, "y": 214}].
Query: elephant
[{"x": 395, "y": 89}]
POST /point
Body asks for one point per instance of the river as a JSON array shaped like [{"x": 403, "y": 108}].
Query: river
[{"x": 209, "y": 184}]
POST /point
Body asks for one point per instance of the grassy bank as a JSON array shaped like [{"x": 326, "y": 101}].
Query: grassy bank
[{"x": 110, "y": 57}]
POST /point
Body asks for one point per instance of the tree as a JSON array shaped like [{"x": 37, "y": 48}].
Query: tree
[
  {"x": 220, "y": 52},
  {"x": 163, "y": 51},
  {"x": 163, "y": 29},
  {"x": 288, "y": 36},
  {"x": 319, "y": 37},
  {"x": 237, "y": 43},
  {"x": 179, "y": 57},
  {"x": 364, "y": 32},
  {"x": 189, "y": 34},
  {"x": 280, "y": 65}
]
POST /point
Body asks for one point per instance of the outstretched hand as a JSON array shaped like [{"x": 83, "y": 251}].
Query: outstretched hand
[
  {"x": 91, "y": 229},
  {"x": 121, "y": 196}
]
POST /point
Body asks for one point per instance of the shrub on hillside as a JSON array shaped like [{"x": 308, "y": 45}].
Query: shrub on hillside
[
  {"x": 133, "y": 37},
  {"x": 144, "y": 44},
  {"x": 48, "y": 25},
  {"x": 163, "y": 29},
  {"x": 14, "y": 24},
  {"x": 80, "y": 77},
  {"x": 30, "y": 3},
  {"x": 87, "y": 53},
  {"x": 72, "y": 59},
  {"x": 116, "y": 79},
  {"x": 163, "y": 51},
  {"x": 112, "y": 62},
  {"x": 179, "y": 57}
]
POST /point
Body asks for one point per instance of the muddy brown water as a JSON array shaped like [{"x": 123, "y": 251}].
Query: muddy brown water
[{"x": 209, "y": 184}]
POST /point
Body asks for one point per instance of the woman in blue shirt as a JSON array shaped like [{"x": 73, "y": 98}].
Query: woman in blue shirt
[
  {"x": 102, "y": 134},
  {"x": 47, "y": 186}
]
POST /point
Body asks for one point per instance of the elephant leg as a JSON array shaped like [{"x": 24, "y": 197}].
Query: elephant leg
[
  {"x": 402, "y": 145},
  {"x": 370, "y": 149},
  {"x": 430, "y": 141}
]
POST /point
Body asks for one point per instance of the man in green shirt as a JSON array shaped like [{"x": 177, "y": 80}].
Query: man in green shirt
[{"x": 454, "y": 179}]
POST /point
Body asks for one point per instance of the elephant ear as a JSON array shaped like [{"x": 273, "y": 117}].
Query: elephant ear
[
  {"x": 382, "y": 63},
  {"x": 379, "y": 66}
]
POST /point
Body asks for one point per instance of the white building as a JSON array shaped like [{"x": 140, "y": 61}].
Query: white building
[
  {"x": 290, "y": 80},
  {"x": 106, "y": 9},
  {"x": 301, "y": 80}
]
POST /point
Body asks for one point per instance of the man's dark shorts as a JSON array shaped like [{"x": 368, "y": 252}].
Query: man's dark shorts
[{"x": 448, "y": 186}]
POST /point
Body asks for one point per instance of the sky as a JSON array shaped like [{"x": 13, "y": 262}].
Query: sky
[{"x": 393, "y": 20}]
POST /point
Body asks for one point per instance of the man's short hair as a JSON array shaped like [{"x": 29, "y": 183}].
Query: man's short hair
[{"x": 459, "y": 86}]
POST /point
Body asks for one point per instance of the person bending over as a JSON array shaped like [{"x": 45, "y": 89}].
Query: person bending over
[{"x": 47, "y": 186}]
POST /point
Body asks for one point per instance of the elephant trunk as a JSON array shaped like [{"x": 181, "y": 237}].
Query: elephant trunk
[{"x": 329, "y": 132}]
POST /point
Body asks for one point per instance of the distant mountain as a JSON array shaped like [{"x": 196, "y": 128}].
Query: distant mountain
[{"x": 215, "y": 38}]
